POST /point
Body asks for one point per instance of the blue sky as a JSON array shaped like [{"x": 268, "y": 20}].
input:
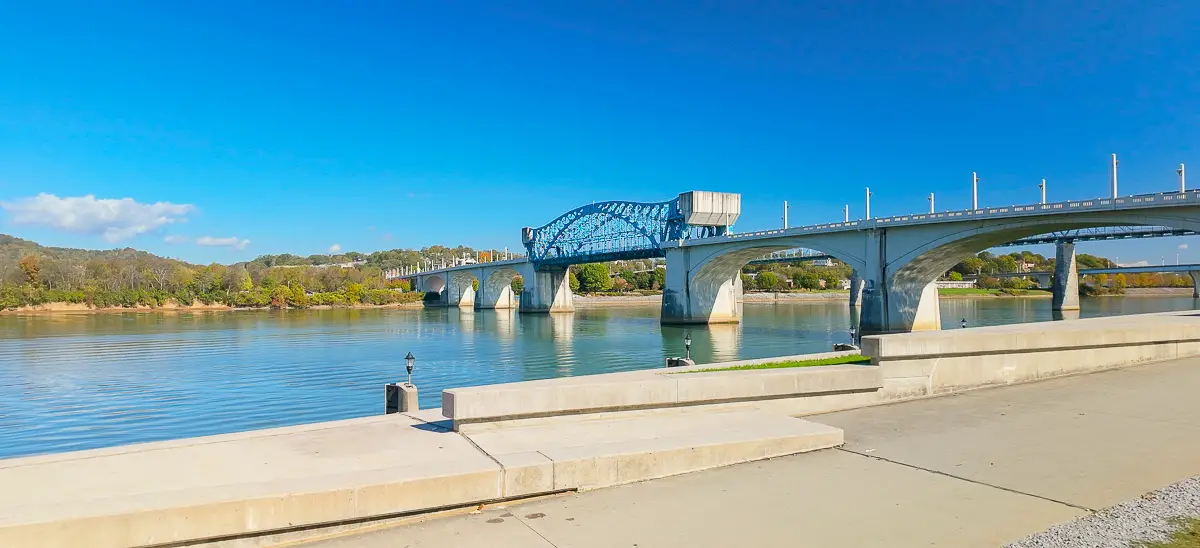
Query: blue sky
[{"x": 292, "y": 127}]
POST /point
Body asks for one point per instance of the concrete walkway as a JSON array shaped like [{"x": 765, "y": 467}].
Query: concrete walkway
[{"x": 981, "y": 468}]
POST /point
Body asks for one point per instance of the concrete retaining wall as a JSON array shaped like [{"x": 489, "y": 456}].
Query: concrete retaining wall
[
  {"x": 652, "y": 389},
  {"x": 941, "y": 362},
  {"x": 904, "y": 366}
]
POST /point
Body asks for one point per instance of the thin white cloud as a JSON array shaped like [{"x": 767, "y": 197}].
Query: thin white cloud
[
  {"x": 112, "y": 219},
  {"x": 1139, "y": 263},
  {"x": 1182, "y": 246},
  {"x": 232, "y": 241},
  {"x": 175, "y": 239},
  {"x": 335, "y": 248}
]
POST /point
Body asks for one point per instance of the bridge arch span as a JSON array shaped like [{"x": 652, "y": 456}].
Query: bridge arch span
[
  {"x": 902, "y": 297},
  {"x": 704, "y": 283},
  {"x": 460, "y": 291},
  {"x": 433, "y": 284},
  {"x": 495, "y": 289}
]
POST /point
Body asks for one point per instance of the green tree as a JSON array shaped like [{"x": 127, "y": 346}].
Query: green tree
[
  {"x": 1118, "y": 281},
  {"x": 298, "y": 298},
  {"x": 809, "y": 280},
  {"x": 354, "y": 293},
  {"x": 956, "y": 276},
  {"x": 629, "y": 277},
  {"x": 767, "y": 280},
  {"x": 594, "y": 278},
  {"x": 572, "y": 281},
  {"x": 658, "y": 278},
  {"x": 475, "y": 285},
  {"x": 971, "y": 265},
  {"x": 747, "y": 282},
  {"x": 517, "y": 285},
  {"x": 280, "y": 295},
  {"x": 642, "y": 280}
]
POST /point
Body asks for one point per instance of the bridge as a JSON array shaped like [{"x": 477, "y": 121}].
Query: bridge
[
  {"x": 895, "y": 259},
  {"x": 1045, "y": 279},
  {"x": 1101, "y": 233}
]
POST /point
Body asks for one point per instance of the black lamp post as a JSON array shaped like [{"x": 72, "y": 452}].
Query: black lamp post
[
  {"x": 964, "y": 323},
  {"x": 687, "y": 345},
  {"x": 409, "y": 363}
]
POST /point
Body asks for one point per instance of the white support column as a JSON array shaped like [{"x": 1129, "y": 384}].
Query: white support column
[
  {"x": 1066, "y": 278},
  {"x": 974, "y": 190},
  {"x": 1114, "y": 175}
]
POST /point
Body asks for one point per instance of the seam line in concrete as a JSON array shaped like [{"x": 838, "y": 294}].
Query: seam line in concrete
[
  {"x": 535, "y": 531},
  {"x": 553, "y": 472},
  {"x": 968, "y": 480}
]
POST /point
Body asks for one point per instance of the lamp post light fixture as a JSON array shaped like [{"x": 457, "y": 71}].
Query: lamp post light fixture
[
  {"x": 687, "y": 345},
  {"x": 409, "y": 363}
]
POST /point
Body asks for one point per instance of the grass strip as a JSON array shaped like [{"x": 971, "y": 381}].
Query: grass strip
[
  {"x": 1186, "y": 536},
  {"x": 854, "y": 359}
]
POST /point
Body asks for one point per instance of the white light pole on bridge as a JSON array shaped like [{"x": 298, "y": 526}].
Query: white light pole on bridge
[
  {"x": 1043, "y": 187},
  {"x": 974, "y": 190},
  {"x": 846, "y": 213},
  {"x": 1114, "y": 175},
  {"x": 1182, "y": 179},
  {"x": 785, "y": 212},
  {"x": 931, "y": 202},
  {"x": 868, "y": 203}
]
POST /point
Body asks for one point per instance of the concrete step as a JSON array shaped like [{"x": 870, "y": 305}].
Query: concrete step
[
  {"x": 252, "y": 484},
  {"x": 580, "y": 452}
]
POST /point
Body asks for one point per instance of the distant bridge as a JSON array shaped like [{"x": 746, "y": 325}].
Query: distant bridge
[
  {"x": 1101, "y": 233},
  {"x": 1044, "y": 278}
]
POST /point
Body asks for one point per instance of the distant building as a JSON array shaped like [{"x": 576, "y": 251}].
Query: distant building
[{"x": 823, "y": 262}]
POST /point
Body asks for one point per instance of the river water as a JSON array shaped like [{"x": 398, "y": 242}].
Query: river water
[{"x": 79, "y": 381}]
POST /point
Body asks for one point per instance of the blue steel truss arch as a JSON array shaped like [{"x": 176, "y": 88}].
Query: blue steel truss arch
[{"x": 610, "y": 231}]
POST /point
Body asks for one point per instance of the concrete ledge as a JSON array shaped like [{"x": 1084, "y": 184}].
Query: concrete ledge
[
  {"x": 656, "y": 388},
  {"x": 252, "y": 487},
  {"x": 939, "y": 362}
]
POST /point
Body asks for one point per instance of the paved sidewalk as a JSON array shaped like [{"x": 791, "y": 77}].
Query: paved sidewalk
[{"x": 981, "y": 468}]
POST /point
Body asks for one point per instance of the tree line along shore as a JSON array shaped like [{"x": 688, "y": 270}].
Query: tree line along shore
[{"x": 33, "y": 276}]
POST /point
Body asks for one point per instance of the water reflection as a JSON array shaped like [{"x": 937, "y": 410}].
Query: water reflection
[
  {"x": 1065, "y": 314},
  {"x": 147, "y": 376}
]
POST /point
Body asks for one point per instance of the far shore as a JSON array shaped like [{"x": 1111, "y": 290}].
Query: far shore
[
  {"x": 582, "y": 301},
  {"x": 80, "y": 308}
]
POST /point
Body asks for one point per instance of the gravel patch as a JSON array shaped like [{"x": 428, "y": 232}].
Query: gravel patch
[{"x": 1146, "y": 518}]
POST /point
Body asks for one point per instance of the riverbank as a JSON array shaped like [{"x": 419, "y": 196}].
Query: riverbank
[{"x": 171, "y": 306}]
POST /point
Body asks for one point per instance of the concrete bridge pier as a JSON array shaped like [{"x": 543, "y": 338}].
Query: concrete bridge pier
[
  {"x": 1195, "y": 284},
  {"x": 897, "y": 303},
  {"x": 1066, "y": 278},
  {"x": 547, "y": 290},
  {"x": 1044, "y": 281},
  {"x": 702, "y": 295}
]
